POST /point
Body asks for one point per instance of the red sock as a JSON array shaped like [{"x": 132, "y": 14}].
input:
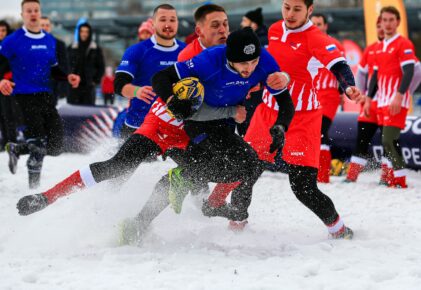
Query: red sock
[
  {"x": 385, "y": 174},
  {"x": 65, "y": 187},
  {"x": 354, "y": 170},
  {"x": 220, "y": 192},
  {"x": 324, "y": 166}
]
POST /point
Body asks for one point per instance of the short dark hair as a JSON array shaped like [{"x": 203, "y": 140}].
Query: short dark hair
[
  {"x": 320, "y": 15},
  {"x": 204, "y": 10},
  {"x": 3, "y": 23},
  {"x": 45, "y": 17},
  {"x": 163, "y": 6},
  {"x": 29, "y": 1},
  {"x": 308, "y": 3},
  {"x": 391, "y": 9}
]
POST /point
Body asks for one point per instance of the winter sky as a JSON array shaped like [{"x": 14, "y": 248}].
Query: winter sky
[{"x": 10, "y": 8}]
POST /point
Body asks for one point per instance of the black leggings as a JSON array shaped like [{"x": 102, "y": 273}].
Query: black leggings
[
  {"x": 303, "y": 181},
  {"x": 42, "y": 120},
  {"x": 135, "y": 150},
  {"x": 365, "y": 134},
  {"x": 225, "y": 157},
  {"x": 326, "y": 123}
]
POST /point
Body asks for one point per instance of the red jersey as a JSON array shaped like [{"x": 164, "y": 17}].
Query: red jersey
[
  {"x": 302, "y": 53},
  {"x": 191, "y": 50},
  {"x": 390, "y": 56},
  {"x": 326, "y": 79},
  {"x": 367, "y": 62}
]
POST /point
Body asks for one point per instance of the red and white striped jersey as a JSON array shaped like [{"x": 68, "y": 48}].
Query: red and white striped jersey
[
  {"x": 302, "y": 53},
  {"x": 391, "y": 55},
  {"x": 326, "y": 79},
  {"x": 159, "y": 108}
]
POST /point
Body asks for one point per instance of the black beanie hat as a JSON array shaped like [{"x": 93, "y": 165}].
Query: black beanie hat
[
  {"x": 256, "y": 16},
  {"x": 243, "y": 45}
]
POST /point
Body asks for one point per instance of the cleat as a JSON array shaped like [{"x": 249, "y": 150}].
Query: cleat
[
  {"x": 343, "y": 234},
  {"x": 237, "y": 226},
  {"x": 346, "y": 180},
  {"x": 179, "y": 188},
  {"x": 398, "y": 182},
  {"x": 130, "y": 233},
  {"x": 226, "y": 210},
  {"x": 11, "y": 149},
  {"x": 32, "y": 203}
]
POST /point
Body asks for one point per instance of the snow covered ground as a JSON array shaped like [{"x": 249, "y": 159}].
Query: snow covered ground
[{"x": 72, "y": 244}]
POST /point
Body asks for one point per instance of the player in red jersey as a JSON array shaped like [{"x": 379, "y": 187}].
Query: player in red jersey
[
  {"x": 393, "y": 72},
  {"x": 158, "y": 133},
  {"x": 367, "y": 124},
  {"x": 329, "y": 96},
  {"x": 301, "y": 49}
]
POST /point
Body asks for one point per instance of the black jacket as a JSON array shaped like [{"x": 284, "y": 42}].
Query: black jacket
[{"x": 91, "y": 68}]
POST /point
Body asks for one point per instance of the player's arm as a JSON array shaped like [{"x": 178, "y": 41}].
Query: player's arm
[
  {"x": 407, "y": 75},
  {"x": 346, "y": 80},
  {"x": 162, "y": 82},
  {"x": 209, "y": 113},
  {"x": 6, "y": 86},
  {"x": 123, "y": 86},
  {"x": 361, "y": 79}
]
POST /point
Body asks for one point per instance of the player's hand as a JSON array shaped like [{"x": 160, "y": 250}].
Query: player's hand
[
  {"x": 396, "y": 104},
  {"x": 278, "y": 80},
  {"x": 240, "y": 114},
  {"x": 354, "y": 94},
  {"x": 367, "y": 106},
  {"x": 145, "y": 94},
  {"x": 73, "y": 80},
  {"x": 278, "y": 138},
  {"x": 180, "y": 109},
  {"x": 6, "y": 87}
]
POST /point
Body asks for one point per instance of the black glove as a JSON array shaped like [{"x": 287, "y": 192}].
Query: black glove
[
  {"x": 31, "y": 203},
  {"x": 180, "y": 109},
  {"x": 278, "y": 138}
]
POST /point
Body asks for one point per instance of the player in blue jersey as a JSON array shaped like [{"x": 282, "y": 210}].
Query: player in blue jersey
[
  {"x": 141, "y": 61},
  {"x": 31, "y": 55},
  {"x": 216, "y": 153}
]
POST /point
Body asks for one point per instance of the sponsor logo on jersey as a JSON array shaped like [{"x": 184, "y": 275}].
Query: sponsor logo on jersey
[
  {"x": 124, "y": 63},
  {"x": 167, "y": 62},
  {"x": 294, "y": 45},
  {"x": 406, "y": 51},
  {"x": 236, "y": 83},
  {"x": 297, "y": 153},
  {"x": 249, "y": 49},
  {"x": 274, "y": 38},
  {"x": 190, "y": 63},
  {"x": 40, "y": 46},
  {"x": 331, "y": 47}
]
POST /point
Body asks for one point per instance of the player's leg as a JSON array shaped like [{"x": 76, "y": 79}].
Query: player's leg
[
  {"x": 393, "y": 152},
  {"x": 126, "y": 160},
  {"x": 365, "y": 134},
  {"x": 303, "y": 181},
  {"x": 325, "y": 155},
  {"x": 133, "y": 230}
]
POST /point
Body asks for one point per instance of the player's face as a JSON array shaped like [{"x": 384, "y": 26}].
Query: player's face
[
  {"x": 389, "y": 23},
  {"x": 295, "y": 13},
  {"x": 380, "y": 31},
  {"x": 319, "y": 22},
  {"x": 31, "y": 16},
  {"x": 245, "y": 68},
  {"x": 84, "y": 33},
  {"x": 3, "y": 32},
  {"x": 245, "y": 22},
  {"x": 46, "y": 25},
  {"x": 213, "y": 30},
  {"x": 166, "y": 23}
]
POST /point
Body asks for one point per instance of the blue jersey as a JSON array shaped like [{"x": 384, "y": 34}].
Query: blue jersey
[
  {"x": 223, "y": 85},
  {"x": 142, "y": 61},
  {"x": 31, "y": 57}
]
